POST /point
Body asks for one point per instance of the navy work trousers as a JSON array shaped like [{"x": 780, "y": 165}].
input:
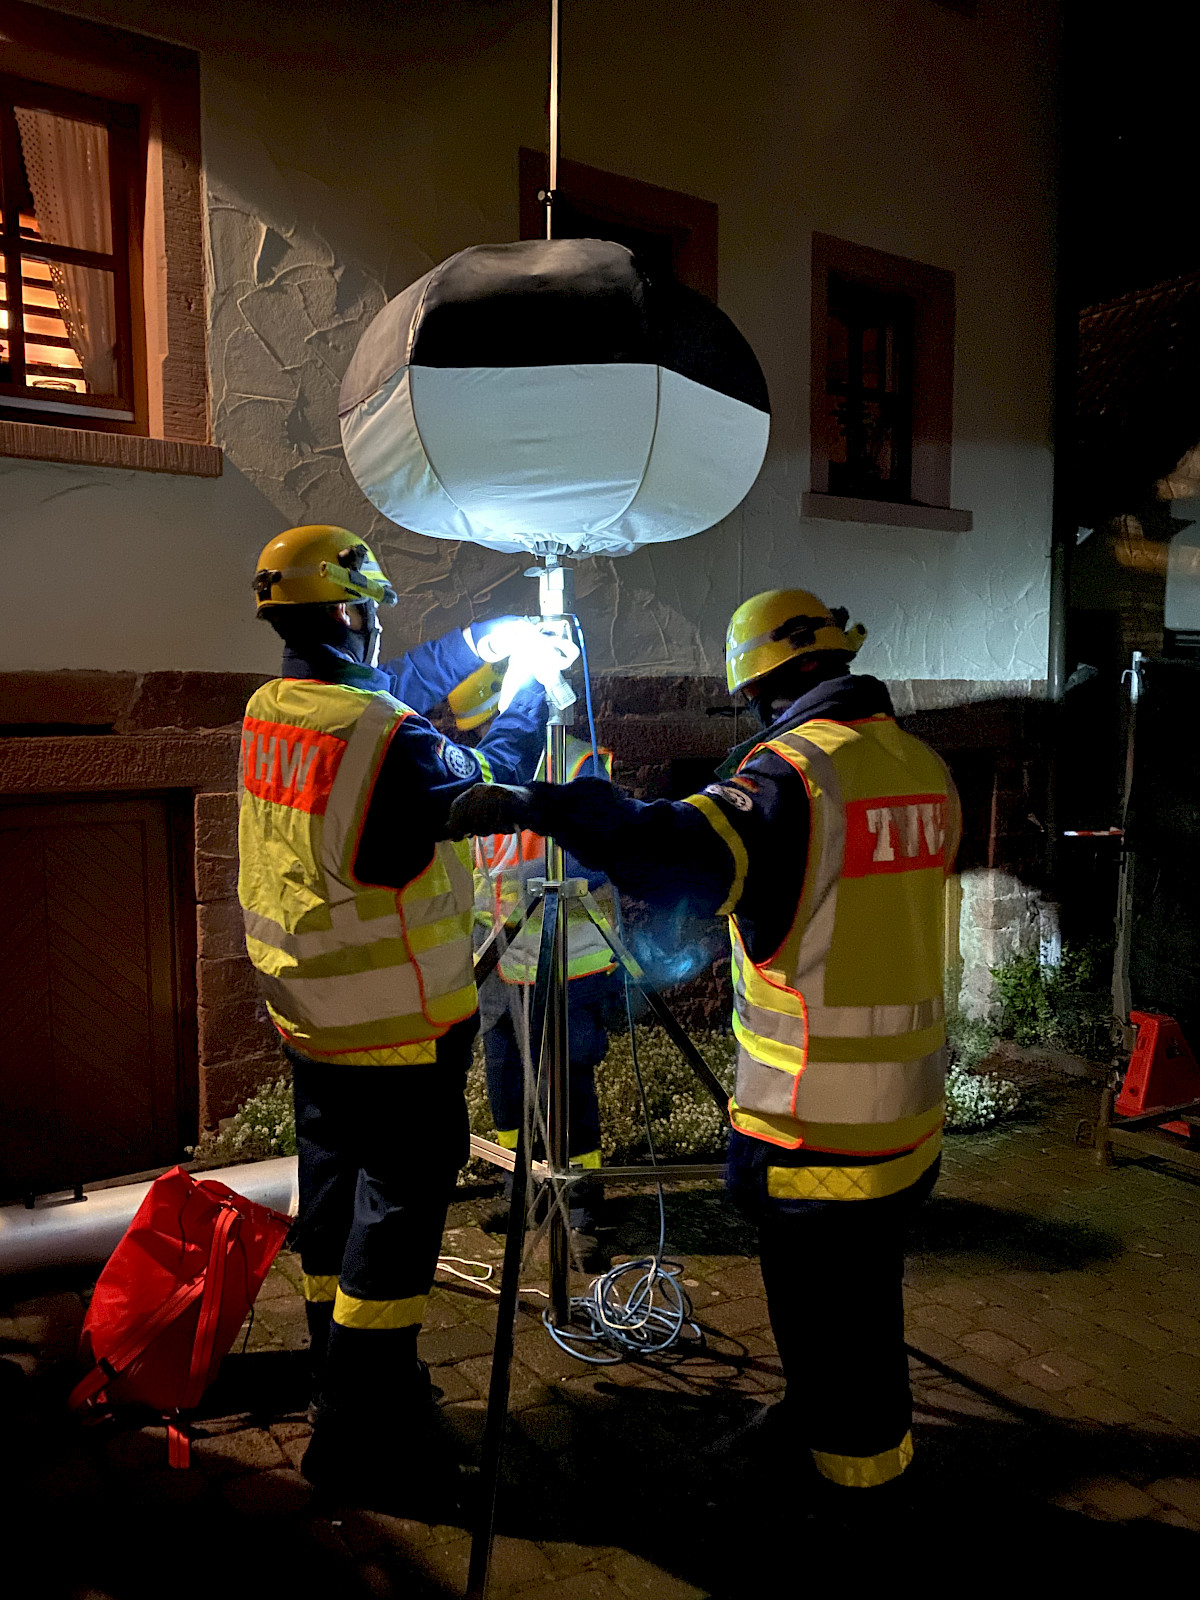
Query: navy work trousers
[
  {"x": 379, "y": 1149},
  {"x": 833, "y": 1271}
]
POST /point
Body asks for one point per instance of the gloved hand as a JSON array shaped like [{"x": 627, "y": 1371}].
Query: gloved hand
[
  {"x": 542, "y": 656},
  {"x": 489, "y": 808},
  {"x": 500, "y": 637}
]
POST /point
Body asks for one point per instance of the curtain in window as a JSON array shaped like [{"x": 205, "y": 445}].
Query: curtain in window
[{"x": 67, "y": 165}]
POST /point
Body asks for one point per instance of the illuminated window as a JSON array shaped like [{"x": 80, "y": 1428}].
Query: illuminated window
[{"x": 67, "y": 168}]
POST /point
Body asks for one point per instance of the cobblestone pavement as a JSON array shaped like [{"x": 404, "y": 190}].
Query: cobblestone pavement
[{"x": 1054, "y": 1319}]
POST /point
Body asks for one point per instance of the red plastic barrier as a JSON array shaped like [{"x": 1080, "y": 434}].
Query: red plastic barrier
[{"x": 1162, "y": 1070}]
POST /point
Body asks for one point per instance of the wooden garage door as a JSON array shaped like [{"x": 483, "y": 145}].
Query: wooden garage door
[{"x": 89, "y": 1058}]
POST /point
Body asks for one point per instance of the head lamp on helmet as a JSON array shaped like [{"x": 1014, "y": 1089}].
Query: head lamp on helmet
[
  {"x": 780, "y": 625},
  {"x": 320, "y": 565}
]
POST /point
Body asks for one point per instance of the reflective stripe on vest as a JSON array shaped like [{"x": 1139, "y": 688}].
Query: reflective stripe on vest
[
  {"x": 841, "y": 1032},
  {"x": 349, "y": 971},
  {"x": 499, "y": 860}
]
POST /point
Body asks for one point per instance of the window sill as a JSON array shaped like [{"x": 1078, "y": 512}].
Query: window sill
[
  {"x": 885, "y": 513},
  {"x": 31, "y": 441}
]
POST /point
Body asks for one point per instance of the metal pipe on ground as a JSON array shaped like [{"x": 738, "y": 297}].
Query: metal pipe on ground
[{"x": 61, "y": 1231}]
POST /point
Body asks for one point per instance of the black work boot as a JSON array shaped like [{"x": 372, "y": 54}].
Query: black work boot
[{"x": 395, "y": 1458}]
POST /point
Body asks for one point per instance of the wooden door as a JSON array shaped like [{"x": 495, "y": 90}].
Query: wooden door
[{"x": 90, "y": 1046}]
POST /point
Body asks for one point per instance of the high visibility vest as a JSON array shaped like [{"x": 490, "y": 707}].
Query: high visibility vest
[
  {"x": 350, "y": 971},
  {"x": 499, "y": 859},
  {"x": 841, "y": 1031}
]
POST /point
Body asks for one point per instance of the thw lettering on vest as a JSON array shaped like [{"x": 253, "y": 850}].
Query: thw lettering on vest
[
  {"x": 289, "y": 766},
  {"x": 902, "y": 833}
]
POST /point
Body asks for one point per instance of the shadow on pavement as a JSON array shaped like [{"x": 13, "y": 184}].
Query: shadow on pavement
[{"x": 979, "y": 1235}]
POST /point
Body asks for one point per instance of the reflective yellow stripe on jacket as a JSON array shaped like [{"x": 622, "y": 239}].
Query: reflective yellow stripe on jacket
[
  {"x": 350, "y": 971},
  {"x": 841, "y": 1032}
]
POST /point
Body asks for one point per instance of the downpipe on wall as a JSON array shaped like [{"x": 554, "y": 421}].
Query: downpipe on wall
[{"x": 61, "y": 1231}]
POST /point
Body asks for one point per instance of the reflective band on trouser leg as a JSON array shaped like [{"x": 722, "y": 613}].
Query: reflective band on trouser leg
[
  {"x": 317, "y": 1288},
  {"x": 590, "y": 1160},
  {"x": 865, "y": 1472},
  {"x": 506, "y": 1138},
  {"x": 350, "y": 1312}
]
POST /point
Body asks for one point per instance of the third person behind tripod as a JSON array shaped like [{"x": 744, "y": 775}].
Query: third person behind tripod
[{"x": 504, "y": 862}]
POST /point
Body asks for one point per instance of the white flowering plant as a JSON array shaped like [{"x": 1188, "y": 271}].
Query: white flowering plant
[{"x": 264, "y": 1126}]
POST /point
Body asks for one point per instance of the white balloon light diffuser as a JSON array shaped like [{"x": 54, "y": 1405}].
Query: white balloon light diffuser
[{"x": 550, "y": 396}]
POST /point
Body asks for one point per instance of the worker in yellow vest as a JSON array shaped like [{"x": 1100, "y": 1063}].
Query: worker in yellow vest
[
  {"x": 358, "y": 921},
  {"x": 826, "y": 840},
  {"x": 503, "y": 863}
]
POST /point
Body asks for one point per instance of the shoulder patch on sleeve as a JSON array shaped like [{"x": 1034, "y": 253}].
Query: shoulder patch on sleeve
[
  {"x": 459, "y": 761},
  {"x": 733, "y": 793}
]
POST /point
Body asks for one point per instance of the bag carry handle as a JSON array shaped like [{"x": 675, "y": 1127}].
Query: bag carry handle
[{"x": 137, "y": 1341}]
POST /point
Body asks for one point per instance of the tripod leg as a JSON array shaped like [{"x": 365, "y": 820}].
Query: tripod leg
[
  {"x": 506, "y": 1311},
  {"x": 660, "y": 1009}
]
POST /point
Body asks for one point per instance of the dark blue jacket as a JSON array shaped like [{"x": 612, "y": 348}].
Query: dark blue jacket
[
  {"x": 668, "y": 853},
  {"x": 423, "y": 772}
]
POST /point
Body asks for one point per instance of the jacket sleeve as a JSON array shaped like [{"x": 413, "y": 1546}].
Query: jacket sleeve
[
  {"x": 740, "y": 845},
  {"x": 420, "y": 775},
  {"x": 662, "y": 851},
  {"x": 513, "y": 744},
  {"x": 426, "y": 675}
]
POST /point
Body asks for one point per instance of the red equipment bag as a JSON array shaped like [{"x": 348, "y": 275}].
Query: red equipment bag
[{"x": 169, "y": 1303}]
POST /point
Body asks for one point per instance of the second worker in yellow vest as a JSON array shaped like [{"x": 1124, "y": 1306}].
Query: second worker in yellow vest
[{"x": 825, "y": 840}]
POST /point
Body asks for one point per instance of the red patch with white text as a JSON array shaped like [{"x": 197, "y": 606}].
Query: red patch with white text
[
  {"x": 290, "y": 766},
  {"x": 901, "y": 833}
]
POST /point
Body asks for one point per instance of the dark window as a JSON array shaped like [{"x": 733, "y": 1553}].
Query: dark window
[
  {"x": 868, "y": 388},
  {"x": 68, "y": 204}
]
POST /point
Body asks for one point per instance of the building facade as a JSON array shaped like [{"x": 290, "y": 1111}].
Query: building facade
[{"x": 868, "y": 189}]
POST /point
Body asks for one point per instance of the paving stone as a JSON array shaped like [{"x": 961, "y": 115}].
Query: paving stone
[
  {"x": 444, "y": 1345},
  {"x": 1055, "y": 1371},
  {"x": 1181, "y": 1493},
  {"x": 1115, "y": 1499},
  {"x": 280, "y": 1492},
  {"x": 736, "y": 1316},
  {"x": 1097, "y": 1405},
  {"x": 994, "y": 1347},
  {"x": 447, "y": 1562},
  {"x": 246, "y": 1450},
  {"x": 594, "y": 1584},
  {"x": 640, "y": 1578},
  {"x": 517, "y": 1562}
]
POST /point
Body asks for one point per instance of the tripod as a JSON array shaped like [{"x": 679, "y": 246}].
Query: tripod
[{"x": 549, "y": 1050}]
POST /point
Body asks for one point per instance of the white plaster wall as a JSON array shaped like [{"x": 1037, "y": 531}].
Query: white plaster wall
[{"x": 350, "y": 147}]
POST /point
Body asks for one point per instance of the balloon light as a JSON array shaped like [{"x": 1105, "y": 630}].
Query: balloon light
[{"x": 549, "y": 396}]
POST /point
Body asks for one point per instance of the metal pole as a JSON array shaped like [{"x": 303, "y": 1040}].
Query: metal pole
[
  {"x": 555, "y": 52},
  {"x": 510, "y": 1282}
]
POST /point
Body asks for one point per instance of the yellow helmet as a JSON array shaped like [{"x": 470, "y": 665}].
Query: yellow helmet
[
  {"x": 778, "y": 626},
  {"x": 476, "y": 698},
  {"x": 320, "y": 565}
]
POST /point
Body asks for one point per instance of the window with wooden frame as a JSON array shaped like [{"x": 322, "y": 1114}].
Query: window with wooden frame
[
  {"x": 670, "y": 232},
  {"x": 70, "y": 207},
  {"x": 882, "y": 389},
  {"x": 103, "y": 355}
]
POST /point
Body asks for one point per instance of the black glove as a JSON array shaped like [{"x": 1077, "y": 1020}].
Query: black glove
[{"x": 489, "y": 808}]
